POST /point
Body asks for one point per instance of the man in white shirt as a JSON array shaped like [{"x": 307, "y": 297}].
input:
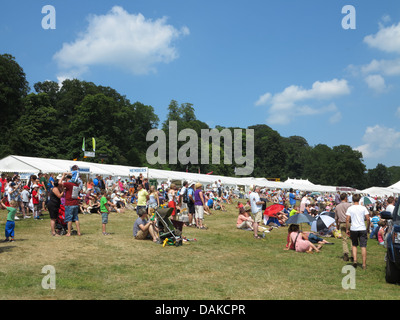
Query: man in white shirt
[
  {"x": 390, "y": 206},
  {"x": 303, "y": 202},
  {"x": 358, "y": 232},
  {"x": 256, "y": 209}
]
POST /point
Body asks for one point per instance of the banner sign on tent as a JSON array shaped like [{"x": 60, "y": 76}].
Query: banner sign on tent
[
  {"x": 82, "y": 169},
  {"x": 135, "y": 171},
  {"x": 25, "y": 176}
]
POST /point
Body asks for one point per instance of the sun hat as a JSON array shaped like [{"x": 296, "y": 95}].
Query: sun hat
[{"x": 198, "y": 185}]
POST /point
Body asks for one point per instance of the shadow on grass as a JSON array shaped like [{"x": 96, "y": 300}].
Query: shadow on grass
[{"x": 6, "y": 249}]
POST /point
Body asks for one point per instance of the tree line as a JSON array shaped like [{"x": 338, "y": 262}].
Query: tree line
[{"x": 51, "y": 121}]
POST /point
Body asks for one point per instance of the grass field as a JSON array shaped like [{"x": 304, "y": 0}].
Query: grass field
[{"x": 223, "y": 264}]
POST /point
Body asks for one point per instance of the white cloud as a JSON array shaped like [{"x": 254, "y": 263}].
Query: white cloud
[
  {"x": 385, "y": 67},
  {"x": 263, "y": 99},
  {"x": 287, "y": 105},
  {"x": 379, "y": 141},
  {"x": 386, "y": 18},
  {"x": 386, "y": 39},
  {"x": 376, "y": 82},
  {"x": 119, "y": 39}
]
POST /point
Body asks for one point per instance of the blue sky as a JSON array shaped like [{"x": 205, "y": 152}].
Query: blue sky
[{"x": 286, "y": 63}]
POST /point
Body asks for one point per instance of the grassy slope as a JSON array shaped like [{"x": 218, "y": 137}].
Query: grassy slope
[{"x": 225, "y": 263}]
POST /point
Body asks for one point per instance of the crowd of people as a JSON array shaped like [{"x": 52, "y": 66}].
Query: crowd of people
[
  {"x": 353, "y": 219},
  {"x": 192, "y": 201},
  {"x": 67, "y": 195}
]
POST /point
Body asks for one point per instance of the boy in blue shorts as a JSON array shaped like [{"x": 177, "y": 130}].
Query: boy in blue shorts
[{"x": 10, "y": 224}]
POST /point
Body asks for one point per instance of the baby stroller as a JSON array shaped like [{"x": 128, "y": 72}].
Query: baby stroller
[
  {"x": 168, "y": 232},
  {"x": 61, "y": 225}
]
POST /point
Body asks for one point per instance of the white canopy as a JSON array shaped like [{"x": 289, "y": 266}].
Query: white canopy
[
  {"x": 32, "y": 165},
  {"x": 381, "y": 192}
]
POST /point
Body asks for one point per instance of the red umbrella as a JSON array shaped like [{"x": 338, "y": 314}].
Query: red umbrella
[{"x": 271, "y": 211}]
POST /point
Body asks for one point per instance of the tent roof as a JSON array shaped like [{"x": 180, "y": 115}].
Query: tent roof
[
  {"x": 381, "y": 192},
  {"x": 34, "y": 165},
  {"x": 24, "y": 164}
]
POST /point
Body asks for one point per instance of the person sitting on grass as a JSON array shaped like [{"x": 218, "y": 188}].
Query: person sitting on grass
[
  {"x": 294, "y": 211},
  {"x": 244, "y": 220},
  {"x": 313, "y": 238},
  {"x": 298, "y": 242},
  {"x": 143, "y": 229},
  {"x": 218, "y": 205},
  {"x": 381, "y": 232}
]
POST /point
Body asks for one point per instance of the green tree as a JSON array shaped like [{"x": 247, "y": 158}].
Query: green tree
[
  {"x": 379, "y": 176},
  {"x": 13, "y": 89},
  {"x": 296, "y": 149},
  {"x": 34, "y": 133}
]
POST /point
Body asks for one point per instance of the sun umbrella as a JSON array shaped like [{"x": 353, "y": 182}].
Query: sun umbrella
[
  {"x": 328, "y": 213},
  {"x": 322, "y": 222},
  {"x": 367, "y": 200},
  {"x": 299, "y": 218},
  {"x": 271, "y": 211}
]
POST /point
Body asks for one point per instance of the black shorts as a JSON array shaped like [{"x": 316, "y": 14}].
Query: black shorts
[
  {"x": 359, "y": 238},
  {"x": 190, "y": 208},
  {"x": 53, "y": 210}
]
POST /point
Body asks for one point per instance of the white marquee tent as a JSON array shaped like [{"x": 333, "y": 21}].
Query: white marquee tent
[
  {"x": 381, "y": 192},
  {"x": 31, "y": 165}
]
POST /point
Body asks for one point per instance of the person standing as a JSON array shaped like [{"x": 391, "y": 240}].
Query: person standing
[
  {"x": 182, "y": 197},
  {"x": 340, "y": 217},
  {"x": 256, "y": 210},
  {"x": 292, "y": 198},
  {"x": 71, "y": 191},
  {"x": 358, "y": 232},
  {"x": 390, "y": 206},
  {"x": 172, "y": 200},
  {"x": 143, "y": 196},
  {"x": 3, "y": 181},
  {"x": 104, "y": 211},
  {"x": 199, "y": 205},
  {"x": 190, "y": 204},
  {"x": 10, "y": 224},
  {"x": 54, "y": 204}
]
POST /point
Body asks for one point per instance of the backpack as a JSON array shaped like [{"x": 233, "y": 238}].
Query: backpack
[
  {"x": 75, "y": 192},
  {"x": 185, "y": 197}
]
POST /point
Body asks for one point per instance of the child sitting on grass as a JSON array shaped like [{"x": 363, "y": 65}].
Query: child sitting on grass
[{"x": 10, "y": 224}]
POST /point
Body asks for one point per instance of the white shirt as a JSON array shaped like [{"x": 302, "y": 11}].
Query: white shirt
[
  {"x": 357, "y": 214},
  {"x": 390, "y": 208},
  {"x": 254, "y": 198}
]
